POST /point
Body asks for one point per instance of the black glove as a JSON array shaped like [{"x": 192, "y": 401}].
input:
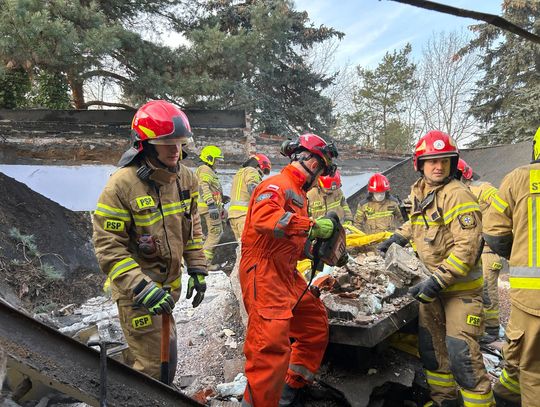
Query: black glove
[
  {"x": 196, "y": 282},
  {"x": 213, "y": 211},
  {"x": 226, "y": 199},
  {"x": 395, "y": 238},
  {"x": 426, "y": 291},
  {"x": 153, "y": 298}
]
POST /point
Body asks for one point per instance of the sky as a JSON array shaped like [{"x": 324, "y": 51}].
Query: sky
[{"x": 373, "y": 27}]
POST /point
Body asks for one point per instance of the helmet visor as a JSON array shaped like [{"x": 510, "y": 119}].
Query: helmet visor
[{"x": 165, "y": 141}]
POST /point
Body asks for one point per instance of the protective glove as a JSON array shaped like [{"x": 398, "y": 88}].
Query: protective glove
[
  {"x": 426, "y": 291},
  {"x": 226, "y": 199},
  {"x": 153, "y": 298},
  {"x": 322, "y": 228},
  {"x": 395, "y": 238},
  {"x": 213, "y": 211},
  {"x": 196, "y": 282}
]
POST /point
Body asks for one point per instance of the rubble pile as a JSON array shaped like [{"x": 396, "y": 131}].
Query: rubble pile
[{"x": 370, "y": 288}]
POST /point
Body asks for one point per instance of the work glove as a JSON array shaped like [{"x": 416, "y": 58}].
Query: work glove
[
  {"x": 395, "y": 238},
  {"x": 226, "y": 199},
  {"x": 213, "y": 211},
  {"x": 321, "y": 229},
  {"x": 426, "y": 291},
  {"x": 153, "y": 298},
  {"x": 196, "y": 282}
]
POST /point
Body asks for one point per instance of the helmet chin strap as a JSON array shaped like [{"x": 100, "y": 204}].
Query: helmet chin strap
[{"x": 312, "y": 175}]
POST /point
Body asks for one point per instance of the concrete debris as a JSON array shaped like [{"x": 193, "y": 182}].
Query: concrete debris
[
  {"x": 235, "y": 388},
  {"x": 231, "y": 368},
  {"x": 370, "y": 288}
]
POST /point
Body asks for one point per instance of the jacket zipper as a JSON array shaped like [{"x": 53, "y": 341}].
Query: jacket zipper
[{"x": 158, "y": 190}]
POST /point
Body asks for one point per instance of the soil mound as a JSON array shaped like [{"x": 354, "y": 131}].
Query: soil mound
[{"x": 46, "y": 255}]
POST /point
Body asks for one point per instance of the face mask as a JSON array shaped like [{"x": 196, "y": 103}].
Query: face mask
[{"x": 379, "y": 196}]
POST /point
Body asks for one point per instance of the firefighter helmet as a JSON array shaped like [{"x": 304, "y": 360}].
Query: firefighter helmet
[
  {"x": 330, "y": 182},
  {"x": 436, "y": 144},
  {"x": 465, "y": 169},
  {"x": 264, "y": 163},
  {"x": 155, "y": 122},
  {"x": 210, "y": 154},
  {"x": 316, "y": 146},
  {"x": 378, "y": 183},
  {"x": 536, "y": 145}
]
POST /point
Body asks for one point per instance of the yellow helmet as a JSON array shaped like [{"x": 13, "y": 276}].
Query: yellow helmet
[
  {"x": 210, "y": 154},
  {"x": 536, "y": 145}
]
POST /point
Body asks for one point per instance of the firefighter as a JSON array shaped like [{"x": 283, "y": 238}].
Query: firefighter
[
  {"x": 329, "y": 197},
  {"x": 380, "y": 211},
  {"x": 511, "y": 230},
  {"x": 275, "y": 295},
  {"x": 210, "y": 199},
  {"x": 145, "y": 225},
  {"x": 244, "y": 182},
  {"x": 445, "y": 225},
  {"x": 491, "y": 262}
]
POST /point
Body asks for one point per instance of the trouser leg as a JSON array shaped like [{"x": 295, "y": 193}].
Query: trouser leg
[
  {"x": 433, "y": 353},
  {"x": 491, "y": 267},
  {"x": 143, "y": 335},
  {"x": 464, "y": 326},
  {"x": 237, "y": 289},
  {"x": 215, "y": 230},
  {"x": 309, "y": 328},
  {"x": 237, "y": 226}
]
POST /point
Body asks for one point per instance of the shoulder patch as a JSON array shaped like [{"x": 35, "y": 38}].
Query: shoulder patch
[
  {"x": 272, "y": 187},
  {"x": 113, "y": 225},
  {"x": 467, "y": 221},
  {"x": 262, "y": 197}
]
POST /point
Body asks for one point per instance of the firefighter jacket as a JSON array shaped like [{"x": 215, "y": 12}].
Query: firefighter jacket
[
  {"x": 484, "y": 192},
  {"x": 210, "y": 190},
  {"x": 243, "y": 184},
  {"x": 276, "y": 230},
  {"x": 373, "y": 217},
  {"x": 445, "y": 225},
  {"x": 320, "y": 203},
  {"x": 143, "y": 229},
  {"x": 511, "y": 229}
]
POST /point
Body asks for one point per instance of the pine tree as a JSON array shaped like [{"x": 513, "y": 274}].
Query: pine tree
[{"x": 506, "y": 99}]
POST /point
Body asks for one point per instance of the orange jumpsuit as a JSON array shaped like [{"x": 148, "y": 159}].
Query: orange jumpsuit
[{"x": 276, "y": 230}]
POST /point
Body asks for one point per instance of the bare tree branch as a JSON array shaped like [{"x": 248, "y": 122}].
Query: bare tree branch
[
  {"x": 492, "y": 19},
  {"x": 103, "y": 72}
]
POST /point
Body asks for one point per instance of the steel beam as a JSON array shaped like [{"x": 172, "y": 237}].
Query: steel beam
[{"x": 58, "y": 361}]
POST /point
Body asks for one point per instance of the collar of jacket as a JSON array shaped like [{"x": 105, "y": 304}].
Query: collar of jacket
[
  {"x": 295, "y": 175},
  {"x": 161, "y": 176}
]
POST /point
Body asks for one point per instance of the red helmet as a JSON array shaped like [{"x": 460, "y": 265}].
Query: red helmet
[
  {"x": 378, "y": 183},
  {"x": 157, "y": 119},
  {"x": 316, "y": 146},
  {"x": 330, "y": 182},
  {"x": 436, "y": 144},
  {"x": 264, "y": 163},
  {"x": 466, "y": 171}
]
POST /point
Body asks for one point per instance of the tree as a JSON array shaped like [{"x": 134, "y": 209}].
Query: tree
[
  {"x": 446, "y": 83},
  {"x": 82, "y": 40},
  {"x": 380, "y": 99},
  {"x": 506, "y": 98},
  {"x": 250, "y": 55}
]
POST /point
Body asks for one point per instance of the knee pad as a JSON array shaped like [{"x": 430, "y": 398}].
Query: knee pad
[
  {"x": 426, "y": 349},
  {"x": 461, "y": 363}
]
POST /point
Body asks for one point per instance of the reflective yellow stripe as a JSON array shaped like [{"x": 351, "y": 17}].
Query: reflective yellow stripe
[
  {"x": 419, "y": 220},
  {"x": 175, "y": 284},
  {"x": 527, "y": 283},
  {"x": 194, "y": 244},
  {"x": 533, "y": 231},
  {"x": 440, "y": 379},
  {"x": 476, "y": 400},
  {"x": 121, "y": 267},
  {"x": 498, "y": 203},
  {"x": 238, "y": 208},
  {"x": 457, "y": 264},
  {"x": 377, "y": 215},
  {"x": 175, "y": 207},
  {"x": 459, "y": 210},
  {"x": 467, "y": 285},
  {"x": 509, "y": 383},
  {"x": 488, "y": 193},
  {"x": 110, "y": 212},
  {"x": 147, "y": 220}
]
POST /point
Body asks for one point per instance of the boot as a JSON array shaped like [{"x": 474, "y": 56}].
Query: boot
[
  {"x": 500, "y": 402},
  {"x": 290, "y": 397}
]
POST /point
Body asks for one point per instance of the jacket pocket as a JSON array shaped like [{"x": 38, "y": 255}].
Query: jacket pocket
[{"x": 274, "y": 312}]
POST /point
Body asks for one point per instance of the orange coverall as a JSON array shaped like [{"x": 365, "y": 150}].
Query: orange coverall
[{"x": 276, "y": 230}]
